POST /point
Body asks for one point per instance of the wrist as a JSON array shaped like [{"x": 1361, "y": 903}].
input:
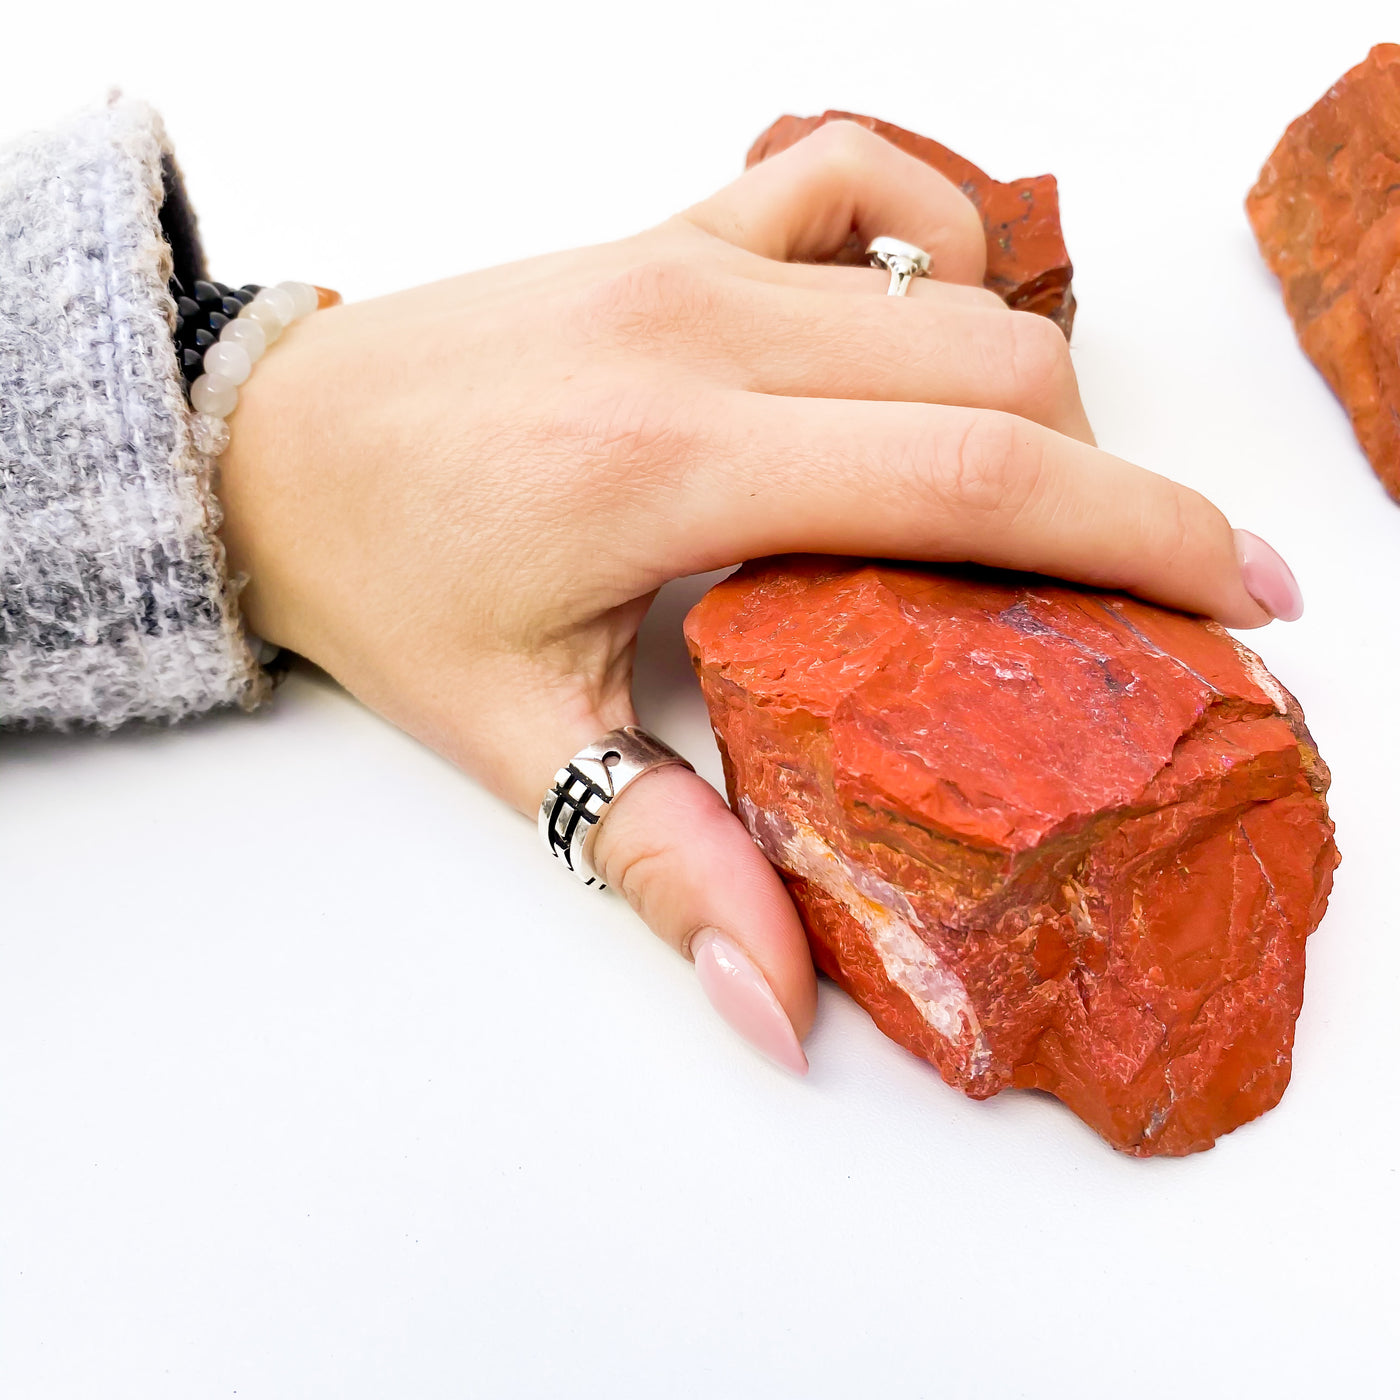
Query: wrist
[{"x": 231, "y": 351}]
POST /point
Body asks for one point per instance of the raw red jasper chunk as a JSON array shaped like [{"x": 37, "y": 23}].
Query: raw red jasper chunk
[{"x": 1048, "y": 837}]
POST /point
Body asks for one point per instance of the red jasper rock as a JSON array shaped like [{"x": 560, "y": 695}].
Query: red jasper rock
[
  {"x": 1326, "y": 213},
  {"x": 1028, "y": 265},
  {"x": 1048, "y": 837}
]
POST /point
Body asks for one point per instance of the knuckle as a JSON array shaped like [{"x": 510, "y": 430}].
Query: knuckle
[
  {"x": 991, "y": 472},
  {"x": 1042, "y": 374},
  {"x": 631, "y": 868},
  {"x": 626, "y": 434},
  {"x": 985, "y": 299},
  {"x": 649, "y": 301},
  {"x": 840, "y": 154},
  {"x": 843, "y": 145},
  {"x": 1174, "y": 523}
]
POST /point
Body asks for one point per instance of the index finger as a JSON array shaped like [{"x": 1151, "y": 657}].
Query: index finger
[{"x": 929, "y": 482}]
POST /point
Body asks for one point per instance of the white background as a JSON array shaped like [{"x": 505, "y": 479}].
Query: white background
[{"x": 316, "y": 1080}]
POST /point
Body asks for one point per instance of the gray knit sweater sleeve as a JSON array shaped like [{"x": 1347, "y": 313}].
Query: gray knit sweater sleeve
[{"x": 114, "y": 604}]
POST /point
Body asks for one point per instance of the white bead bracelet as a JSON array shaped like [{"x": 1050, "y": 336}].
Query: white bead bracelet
[
  {"x": 228, "y": 361},
  {"x": 241, "y": 344}
]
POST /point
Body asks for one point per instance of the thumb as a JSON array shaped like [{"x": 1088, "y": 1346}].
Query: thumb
[{"x": 686, "y": 864}]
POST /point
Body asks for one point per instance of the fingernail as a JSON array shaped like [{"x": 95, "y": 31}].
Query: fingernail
[
  {"x": 1269, "y": 580},
  {"x": 741, "y": 994}
]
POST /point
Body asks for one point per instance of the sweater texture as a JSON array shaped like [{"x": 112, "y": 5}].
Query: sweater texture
[{"x": 114, "y": 598}]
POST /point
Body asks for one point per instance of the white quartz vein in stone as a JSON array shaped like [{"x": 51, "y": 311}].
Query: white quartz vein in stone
[
  {"x": 1262, "y": 678},
  {"x": 886, "y": 914}
]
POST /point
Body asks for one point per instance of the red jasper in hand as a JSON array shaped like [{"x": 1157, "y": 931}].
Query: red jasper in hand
[{"x": 1048, "y": 837}]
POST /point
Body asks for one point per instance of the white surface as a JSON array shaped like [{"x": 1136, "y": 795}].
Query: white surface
[{"x": 316, "y": 1081}]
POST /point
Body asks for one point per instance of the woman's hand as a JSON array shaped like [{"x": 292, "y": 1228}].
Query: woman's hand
[{"x": 461, "y": 500}]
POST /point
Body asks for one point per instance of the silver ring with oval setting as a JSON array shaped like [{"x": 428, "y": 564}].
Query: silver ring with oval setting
[
  {"x": 586, "y": 787},
  {"x": 903, "y": 261}
]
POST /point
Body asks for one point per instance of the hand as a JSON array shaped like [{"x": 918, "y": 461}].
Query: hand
[{"x": 460, "y": 500}]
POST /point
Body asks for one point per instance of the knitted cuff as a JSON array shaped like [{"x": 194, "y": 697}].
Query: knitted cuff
[{"x": 114, "y": 599}]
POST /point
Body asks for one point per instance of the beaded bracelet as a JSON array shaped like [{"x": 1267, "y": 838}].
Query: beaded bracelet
[{"x": 221, "y": 333}]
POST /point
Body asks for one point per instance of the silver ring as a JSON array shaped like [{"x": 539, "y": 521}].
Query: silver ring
[
  {"x": 588, "y": 784},
  {"x": 903, "y": 261}
]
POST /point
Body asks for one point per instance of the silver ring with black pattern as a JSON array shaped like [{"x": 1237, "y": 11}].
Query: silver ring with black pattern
[{"x": 586, "y": 787}]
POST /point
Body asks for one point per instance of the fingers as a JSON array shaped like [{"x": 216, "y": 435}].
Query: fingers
[
  {"x": 834, "y": 279},
  {"x": 687, "y": 865},
  {"x": 806, "y": 203},
  {"x": 814, "y": 345},
  {"x": 916, "y": 481},
  {"x": 749, "y": 333}
]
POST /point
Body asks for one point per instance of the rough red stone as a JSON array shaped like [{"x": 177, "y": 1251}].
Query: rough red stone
[
  {"x": 1046, "y": 836},
  {"x": 1028, "y": 265},
  {"x": 1326, "y": 212}
]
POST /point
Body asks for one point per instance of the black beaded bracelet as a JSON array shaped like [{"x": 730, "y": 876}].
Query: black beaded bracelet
[{"x": 200, "y": 317}]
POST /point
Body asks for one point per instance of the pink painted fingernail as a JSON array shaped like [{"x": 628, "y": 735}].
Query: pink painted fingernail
[
  {"x": 1269, "y": 580},
  {"x": 741, "y": 994}
]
